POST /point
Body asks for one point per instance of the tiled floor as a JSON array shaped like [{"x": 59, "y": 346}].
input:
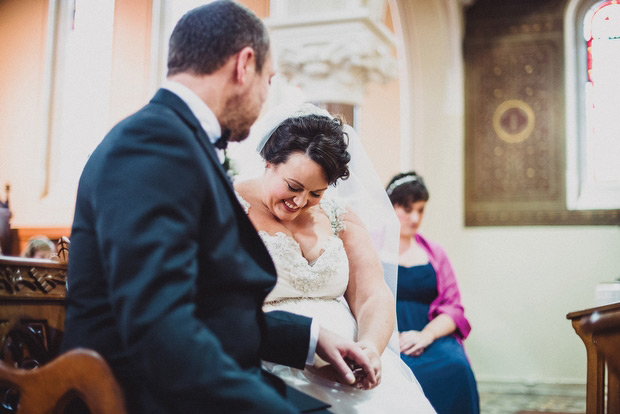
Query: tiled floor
[{"x": 498, "y": 403}]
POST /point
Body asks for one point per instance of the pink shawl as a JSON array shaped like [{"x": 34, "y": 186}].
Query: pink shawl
[{"x": 449, "y": 299}]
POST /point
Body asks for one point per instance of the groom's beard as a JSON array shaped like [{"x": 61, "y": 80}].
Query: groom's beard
[{"x": 238, "y": 116}]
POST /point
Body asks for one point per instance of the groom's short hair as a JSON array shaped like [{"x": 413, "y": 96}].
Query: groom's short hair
[{"x": 205, "y": 37}]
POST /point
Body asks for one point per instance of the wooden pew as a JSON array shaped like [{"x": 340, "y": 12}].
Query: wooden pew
[
  {"x": 599, "y": 329},
  {"x": 32, "y": 310},
  {"x": 50, "y": 389},
  {"x": 21, "y": 235},
  {"x": 32, "y": 320}
]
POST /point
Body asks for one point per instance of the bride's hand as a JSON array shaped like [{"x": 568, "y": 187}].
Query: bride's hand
[
  {"x": 373, "y": 355},
  {"x": 334, "y": 349}
]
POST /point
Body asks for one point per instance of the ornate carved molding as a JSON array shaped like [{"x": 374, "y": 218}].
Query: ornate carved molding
[
  {"x": 334, "y": 60},
  {"x": 29, "y": 278}
]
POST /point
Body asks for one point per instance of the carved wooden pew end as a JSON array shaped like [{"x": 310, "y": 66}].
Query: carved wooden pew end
[
  {"x": 599, "y": 329},
  {"x": 79, "y": 373}
]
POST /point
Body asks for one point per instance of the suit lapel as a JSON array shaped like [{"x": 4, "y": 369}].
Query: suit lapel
[{"x": 171, "y": 100}]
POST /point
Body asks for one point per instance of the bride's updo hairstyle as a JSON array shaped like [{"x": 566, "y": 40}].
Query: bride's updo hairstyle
[
  {"x": 407, "y": 188},
  {"x": 321, "y": 138}
]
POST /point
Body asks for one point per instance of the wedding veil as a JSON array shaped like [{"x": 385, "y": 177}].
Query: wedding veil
[{"x": 362, "y": 192}]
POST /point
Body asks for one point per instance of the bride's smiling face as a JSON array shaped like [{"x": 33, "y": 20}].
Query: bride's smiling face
[{"x": 293, "y": 186}]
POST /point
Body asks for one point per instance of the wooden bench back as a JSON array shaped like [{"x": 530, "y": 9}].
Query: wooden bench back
[
  {"x": 32, "y": 317},
  {"x": 78, "y": 373},
  {"x": 32, "y": 310}
]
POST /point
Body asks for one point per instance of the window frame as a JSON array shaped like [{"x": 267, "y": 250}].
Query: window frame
[{"x": 581, "y": 192}]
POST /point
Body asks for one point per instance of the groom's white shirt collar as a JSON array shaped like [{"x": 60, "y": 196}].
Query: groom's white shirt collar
[{"x": 201, "y": 111}]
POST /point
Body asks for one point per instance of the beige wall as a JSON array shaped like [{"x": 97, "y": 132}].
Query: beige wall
[
  {"x": 22, "y": 126},
  {"x": 130, "y": 60},
  {"x": 379, "y": 127},
  {"x": 52, "y": 119}
]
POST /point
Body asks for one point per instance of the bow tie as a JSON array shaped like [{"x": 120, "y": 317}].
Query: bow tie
[{"x": 222, "y": 143}]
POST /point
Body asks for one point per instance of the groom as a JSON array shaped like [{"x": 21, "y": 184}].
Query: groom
[{"x": 167, "y": 275}]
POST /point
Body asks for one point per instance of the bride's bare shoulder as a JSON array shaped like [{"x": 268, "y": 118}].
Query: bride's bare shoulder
[{"x": 247, "y": 189}]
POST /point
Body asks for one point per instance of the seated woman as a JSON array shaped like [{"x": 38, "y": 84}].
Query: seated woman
[
  {"x": 430, "y": 316},
  {"x": 327, "y": 267}
]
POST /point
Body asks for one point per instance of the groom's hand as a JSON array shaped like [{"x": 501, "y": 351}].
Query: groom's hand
[{"x": 334, "y": 349}]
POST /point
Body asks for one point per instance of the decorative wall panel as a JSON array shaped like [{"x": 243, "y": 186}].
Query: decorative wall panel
[{"x": 515, "y": 133}]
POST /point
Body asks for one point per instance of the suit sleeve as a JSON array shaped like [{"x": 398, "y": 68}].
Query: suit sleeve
[
  {"x": 148, "y": 204},
  {"x": 296, "y": 329}
]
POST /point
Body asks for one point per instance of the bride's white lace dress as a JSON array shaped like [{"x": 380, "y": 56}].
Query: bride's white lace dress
[{"x": 316, "y": 289}]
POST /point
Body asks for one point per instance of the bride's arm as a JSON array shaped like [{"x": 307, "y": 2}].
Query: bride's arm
[{"x": 369, "y": 297}]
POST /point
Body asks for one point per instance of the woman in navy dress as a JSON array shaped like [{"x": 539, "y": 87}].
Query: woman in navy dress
[{"x": 430, "y": 316}]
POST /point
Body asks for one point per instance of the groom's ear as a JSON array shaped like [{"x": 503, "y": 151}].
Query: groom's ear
[{"x": 245, "y": 64}]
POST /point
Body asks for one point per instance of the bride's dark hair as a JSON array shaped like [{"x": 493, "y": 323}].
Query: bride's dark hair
[{"x": 321, "y": 138}]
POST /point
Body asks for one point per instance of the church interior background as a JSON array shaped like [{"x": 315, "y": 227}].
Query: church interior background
[{"x": 479, "y": 97}]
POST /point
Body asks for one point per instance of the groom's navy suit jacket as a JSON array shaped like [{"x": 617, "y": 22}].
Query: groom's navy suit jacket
[{"x": 167, "y": 275}]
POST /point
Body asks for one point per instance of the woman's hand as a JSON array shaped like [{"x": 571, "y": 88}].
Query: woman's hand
[
  {"x": 365, "y": 367},
  {"x": 413, "y": 343},
  {"x": 343, "y": 354},
  {"x": 363, "y": 382}
]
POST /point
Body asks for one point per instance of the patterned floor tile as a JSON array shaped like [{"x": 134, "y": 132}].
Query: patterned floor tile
[{"x": 496, "y": 403}]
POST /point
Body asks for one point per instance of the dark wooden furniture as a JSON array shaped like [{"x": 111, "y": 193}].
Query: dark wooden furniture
[
  {"x": 599, "y": 329},
  {"x": 21, "y": 235},
  {"x": 32, "y": 310},
  {"x": 78, "y": 373},
  {"x": 32, "y": 319}
]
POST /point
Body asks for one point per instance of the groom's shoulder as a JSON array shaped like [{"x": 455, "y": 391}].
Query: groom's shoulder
[
  {"x": 163, "y": 108},
  {"x": 153, "y": 118}
]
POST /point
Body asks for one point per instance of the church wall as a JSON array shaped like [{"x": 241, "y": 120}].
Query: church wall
[
  {"x": 380, "y": 127},
  {"x": 61, "y": 97},
  {"x": 22, "y": 117},
  {"x": 517, "y": 283}
]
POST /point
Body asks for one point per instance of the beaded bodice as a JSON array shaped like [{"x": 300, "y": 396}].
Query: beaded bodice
[{"x": 326, "y": 277}]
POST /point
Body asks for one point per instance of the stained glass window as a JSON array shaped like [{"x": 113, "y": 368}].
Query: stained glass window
[
  {"x": 593, "y": 109},
  {"x": 602, "y": 34}
]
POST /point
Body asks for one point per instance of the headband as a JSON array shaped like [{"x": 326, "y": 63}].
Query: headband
[
  {"x": 267, "y": 126},
  {"x": 401, "y": 181}
]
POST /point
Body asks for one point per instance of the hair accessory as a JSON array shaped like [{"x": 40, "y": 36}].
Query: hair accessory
[
  {"x": 403, "y": 180},
  {"x": 267, "y": 125}
]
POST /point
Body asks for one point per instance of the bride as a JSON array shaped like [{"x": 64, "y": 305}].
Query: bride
[{"x": 327, "y": 265}]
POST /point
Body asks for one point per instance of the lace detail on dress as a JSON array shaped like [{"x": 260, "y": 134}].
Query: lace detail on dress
[
  {"x": 244, "y": 204},
  {"x": 326, "y": 276},
  {"x": 293, "y": 268},
  {"x": 296, "y": 301},
  {"x": 334, "y": 211}
]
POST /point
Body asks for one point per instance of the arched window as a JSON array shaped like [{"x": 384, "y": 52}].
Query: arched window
[{"x": 593, "y": 104}]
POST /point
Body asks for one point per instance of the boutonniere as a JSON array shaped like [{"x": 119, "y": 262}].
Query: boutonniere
[{"x": 230, "y": 167}]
